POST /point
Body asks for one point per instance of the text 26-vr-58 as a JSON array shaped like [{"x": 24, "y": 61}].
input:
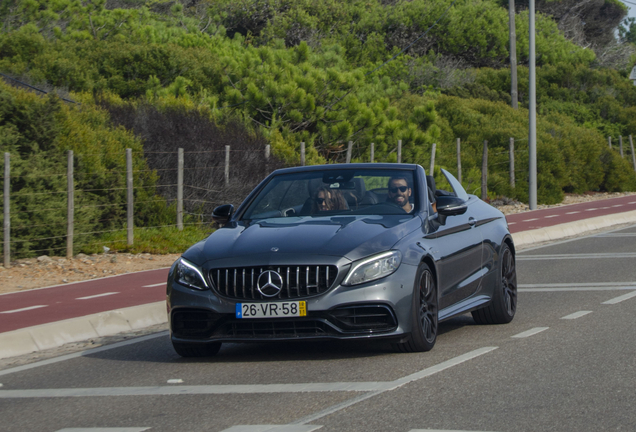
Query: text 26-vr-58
[{"x": 371, "y": 264}]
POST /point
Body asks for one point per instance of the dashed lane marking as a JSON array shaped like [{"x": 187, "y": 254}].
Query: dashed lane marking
[
  {"x": 101, "y": 429},
  {"x": 24, "y": 309},
  {"x": 96, "y": 296},
  {"x": 397, "y": 383},
  {"x": 154, "y": 285},
  {"x": 511, "y": 223},
  {"x": 530, "y": 332},
  {"x": 618, "y": 205},
  {"x": 273, "y": 428},
  {"x": 574, "y": 212},
  {"x": 576, "y": 315},
  {"x": 530, "y": 220},
  {"x": 621, "y": 298},
  {"x": 575, "y": 256},
  {"x": 551, "y": 216},
  {"x": 591, "y": 209}
]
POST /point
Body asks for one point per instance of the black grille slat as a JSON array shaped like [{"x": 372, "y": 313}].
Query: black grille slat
[{"x": 298, "y": 281}]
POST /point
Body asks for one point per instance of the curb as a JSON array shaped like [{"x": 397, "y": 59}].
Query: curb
[
  {"x": 53, "y": 335},
  {"x": 571, "y": 229}
]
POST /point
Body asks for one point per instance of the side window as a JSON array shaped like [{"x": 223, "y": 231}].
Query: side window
[{"x": 295, "y": 196}]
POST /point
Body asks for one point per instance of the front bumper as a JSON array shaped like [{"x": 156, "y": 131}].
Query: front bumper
[{"x": 378, "y": 309}]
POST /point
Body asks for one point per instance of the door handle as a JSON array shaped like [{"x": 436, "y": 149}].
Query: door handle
[{"x": 472, "y": 221}]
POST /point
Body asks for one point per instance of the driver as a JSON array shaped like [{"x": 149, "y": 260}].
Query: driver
[{"x": 399, "y": 193}]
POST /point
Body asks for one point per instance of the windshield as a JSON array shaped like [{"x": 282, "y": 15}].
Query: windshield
[{"x": 335, "y": 192}]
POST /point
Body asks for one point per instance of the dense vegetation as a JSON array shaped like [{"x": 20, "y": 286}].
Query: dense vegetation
[{"x": 288, "y": 71}]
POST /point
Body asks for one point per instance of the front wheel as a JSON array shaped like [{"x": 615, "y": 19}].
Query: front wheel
[
  {"x": 503, "y": 305},
  {"x": 423, "y": 314}
]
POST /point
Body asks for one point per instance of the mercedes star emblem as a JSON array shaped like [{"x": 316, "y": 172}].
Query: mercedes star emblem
[{"x": 269, "y": 283}]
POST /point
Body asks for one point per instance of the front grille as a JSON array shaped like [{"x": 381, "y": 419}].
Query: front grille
[{"x": 298, "y": 281}]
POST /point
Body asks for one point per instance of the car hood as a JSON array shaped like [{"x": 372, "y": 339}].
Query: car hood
[{"x": 352, "y": 237}]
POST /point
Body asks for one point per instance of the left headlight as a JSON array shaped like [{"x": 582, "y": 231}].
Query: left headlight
[
  {"x": 190, "y": 275},
  {"x": 372, "y": 268}
]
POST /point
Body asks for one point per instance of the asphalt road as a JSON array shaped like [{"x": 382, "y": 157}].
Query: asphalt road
[{"x": 566, "y": 363}]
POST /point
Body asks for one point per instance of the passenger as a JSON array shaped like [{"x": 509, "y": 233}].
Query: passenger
[
  {"x": 399, "y": 193},
  {"x": 326, "y": 199}
]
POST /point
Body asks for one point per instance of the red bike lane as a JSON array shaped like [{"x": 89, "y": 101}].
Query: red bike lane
[{"x": 46, "y": 305}]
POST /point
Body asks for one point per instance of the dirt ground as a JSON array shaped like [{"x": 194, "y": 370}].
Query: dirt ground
[{"x": 45, "y": 271}]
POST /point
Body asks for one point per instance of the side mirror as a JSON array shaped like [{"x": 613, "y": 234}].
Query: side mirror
[
  {"x": 450, "y": 206},
  {"x": 223, "y": 213}
]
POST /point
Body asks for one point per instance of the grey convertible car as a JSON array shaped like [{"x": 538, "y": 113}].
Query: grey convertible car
[{"x": 350, "y": 251}]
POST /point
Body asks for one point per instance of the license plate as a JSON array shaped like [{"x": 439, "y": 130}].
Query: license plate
[{"x": 271, "y": 310}]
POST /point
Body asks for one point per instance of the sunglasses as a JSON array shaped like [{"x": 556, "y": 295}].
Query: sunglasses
[
  {"x": 320, "y": 200},
  {"x": 395, "y": 189}
]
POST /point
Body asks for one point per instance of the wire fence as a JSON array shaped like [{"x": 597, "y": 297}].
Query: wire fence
[{"x": 189, "y": 183}]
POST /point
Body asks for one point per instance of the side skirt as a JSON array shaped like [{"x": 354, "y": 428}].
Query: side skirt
[{"x": 463, "y": 306}]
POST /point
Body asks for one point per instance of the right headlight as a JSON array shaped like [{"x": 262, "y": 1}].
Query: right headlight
[
  {"x": 374, "y": 267},
  {"x": 190, "y": 275}
]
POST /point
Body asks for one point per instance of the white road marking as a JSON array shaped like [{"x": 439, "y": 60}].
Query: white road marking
[
  {"x": 603, "y": 208},
  {"x": 621, "y": 298},
  {"x": 175, "y": 381},
  {"x": 583, "y": 286},
  {"x": 440, "y": 430},
  {"x": 273, "y": 428},
  {"x": 101, "y": 429},
  {"x": 154, "y": 285},
  {"x": 576, "y": 315},
  {"x": 83, "y": 353},
  {"x": 632, "y": 202},
  {"x": 511, "y": 223},
  {"x": 397, "y": 383},
  {"x": 591, "y": 209},
  {"x": 530, "y": 332},
  {"x": 530, "y": 220},
  {"x": 575, "y": 256},
  {"x": 551, "y": 216},
  {"x": 618, "y": 205},
  {"x": 96, "y": 295},
  {"x": 574, "y": 212},
  {"x": 25, "y": 309}
]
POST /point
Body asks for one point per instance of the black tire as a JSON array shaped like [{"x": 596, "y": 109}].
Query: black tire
[
  {"x": 503, "y": 306},
  {"x": 196, "y": 350},
  {"x": 423, "y": 314}
]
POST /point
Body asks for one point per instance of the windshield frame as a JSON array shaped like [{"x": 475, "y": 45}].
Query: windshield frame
[{"x": 359, "y": 170}]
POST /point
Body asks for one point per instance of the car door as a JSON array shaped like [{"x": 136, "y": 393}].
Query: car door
[{"x": 459, "y": 246}]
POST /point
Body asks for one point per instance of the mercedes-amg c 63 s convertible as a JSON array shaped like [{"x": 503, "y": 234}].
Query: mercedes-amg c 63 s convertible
[{"x": 351, "y": 251}]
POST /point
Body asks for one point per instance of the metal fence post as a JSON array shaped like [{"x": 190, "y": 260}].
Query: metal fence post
[
  {"x": 302, "y": 154},
  {"x": 7, "y": 213},
  {"x": 180, "y": 190},
  {"x": 620, "y": 144},
  {"x": 459, "y": 160},
  {"x": 631, "y": 145},
  {"x": 227, "y": 165},
  {"x": 609, "y": 141},
  {"x": 70, "y": 207},
  {"x": 399, "y": 152},
  {"x": 349, "y": 150},
  {"x": 372, "y": 152},
  {"x": 432, "y": 159},
  {"x": 512, "y": 162},
  {"x": 129, "y": 186},
  {"x": 484, "y": 173}
]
